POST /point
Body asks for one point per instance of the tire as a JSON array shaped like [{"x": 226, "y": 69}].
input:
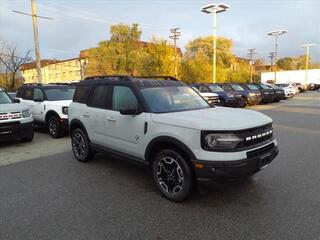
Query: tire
[
  {"x": 27, "y": 139},
  {"x": 173, "y": 175},
  {"x": 245, "y": 100},
  {"x": 54, "y": 127},
  {"x": 80, "y": 146}
]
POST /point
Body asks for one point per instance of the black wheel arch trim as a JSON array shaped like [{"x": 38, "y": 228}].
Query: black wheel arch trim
[
  {"x": 171, "y": 140},
  {"x": 78, "y": 122},
  {"x": 51, "y": 113}
]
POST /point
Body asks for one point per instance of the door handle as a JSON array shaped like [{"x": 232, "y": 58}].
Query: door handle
[
  {"x": 86, "y": 115},
  {"x": 111, "y": 119}
]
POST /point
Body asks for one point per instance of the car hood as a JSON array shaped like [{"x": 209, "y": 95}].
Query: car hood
[
  {"x": 62, "y": 103},
  {"x": 12, "y": 107},
  {"x": 209, "y": 94},
  {"x": 217, "y": 118}
]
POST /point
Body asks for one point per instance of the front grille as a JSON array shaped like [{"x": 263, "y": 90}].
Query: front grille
[
  {"x": 260, "y": 151},
  {"x": 255, "y": 136},
  {"x": 10, "y": 115},
  {"x": 9, "y": 124}
]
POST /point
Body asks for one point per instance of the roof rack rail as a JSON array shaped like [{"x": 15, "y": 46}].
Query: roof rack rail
[
  {"x": 59, "y": 83},
  {"x": 36, "y": 84},
  {"x": 126, "y": 77},
  {"x": 161, "y": 77}
]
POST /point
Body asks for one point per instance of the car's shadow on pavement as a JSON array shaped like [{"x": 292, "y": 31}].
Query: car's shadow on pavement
[{"x": 208, "y": 194}]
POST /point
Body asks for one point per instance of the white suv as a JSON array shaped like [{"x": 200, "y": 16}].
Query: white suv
[
  {"x": 49, "y": 104},
  {"x": 168, "y": 126},
  {"x": 15, "y": 119}
]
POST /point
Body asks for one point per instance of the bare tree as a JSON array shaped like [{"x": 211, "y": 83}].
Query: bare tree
[{"x": 12, "y": 60}]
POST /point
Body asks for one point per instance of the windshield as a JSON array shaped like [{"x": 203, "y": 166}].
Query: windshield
[
  {"x": 173, "y": 99},
  {"x": 265, "y": 86},
  {"x": 4, "y": 98},
  {"x": 282, "y": 85},
  {"x": 236, "y": 87},
  {"x": 252, "y": 87},
  {"x": 216, "y": 88},
  {"x": 57, "y": 94}
]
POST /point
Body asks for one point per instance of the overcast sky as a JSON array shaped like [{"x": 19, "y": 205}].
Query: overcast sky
[{"x": 81, "y": 24}]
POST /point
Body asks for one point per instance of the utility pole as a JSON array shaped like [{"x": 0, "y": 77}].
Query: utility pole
[
  {"x": 307, "y": 46},
  {"x": 175, "y": 36},
  {"x": 35, "y": 35},
  {"x": 271, "y": 56},
  {"x": 252, "y": 51}
]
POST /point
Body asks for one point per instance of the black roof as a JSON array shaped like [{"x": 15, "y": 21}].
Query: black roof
[
  {"x": 50, "y": 85},
  {"x": 141, "y": 82}
]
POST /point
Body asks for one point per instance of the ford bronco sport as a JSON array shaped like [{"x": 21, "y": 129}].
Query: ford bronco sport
[
  {"x": 49, "y": 104},
  {"x": 168, "y": 126},
  {"x": 15, "y": 119}
]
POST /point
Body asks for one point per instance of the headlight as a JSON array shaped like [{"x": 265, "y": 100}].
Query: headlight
[
  {"x": 216, "y": 141},
  {"x": 65, "y": 110},
  {"x": 26, "y": 113},
  {"x": 266, "y": 93},
  {"x": 252, "y": 94},
  {"x": 230, "y": 95}
]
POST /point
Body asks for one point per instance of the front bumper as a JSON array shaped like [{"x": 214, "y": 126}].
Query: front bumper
[
  {"x": 252, "y": 100},
  {"x": 231, "y": 170},
  {"x": 234, "y": 102},
  {"x": 15, "y": 130},
  {"x": 268, "y": 98},
  {"x": 64, "y": 123}
]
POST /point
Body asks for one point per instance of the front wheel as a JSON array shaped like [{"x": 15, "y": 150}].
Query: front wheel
[
  {"x": 173, "y": 175},
  {"x": 54, "y": 127},
  {"x": 80, "y": 146}
]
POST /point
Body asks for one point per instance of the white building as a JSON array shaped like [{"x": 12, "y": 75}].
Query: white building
[{"x": 297, "y": 76}]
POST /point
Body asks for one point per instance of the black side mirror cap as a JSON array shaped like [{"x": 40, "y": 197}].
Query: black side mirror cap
[
  {"x": 38, "y": 100},
  {"x": 130, "y": 111},
  {"x": 16, "y": 100}
]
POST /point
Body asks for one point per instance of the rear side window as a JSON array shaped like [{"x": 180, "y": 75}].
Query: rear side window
[
  {"x": 123, "y": 98},
  {"x": 204, "y": 89},
  {"x": 226, "y": 88},
  {"x": 81, "y": 94},
  {"x": 99, "y": 97},
  {"x": 20, "y": 92},
  {"x": 28, "y": 94}
]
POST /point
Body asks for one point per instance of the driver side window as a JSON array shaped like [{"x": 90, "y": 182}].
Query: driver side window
[
  {"x": 37, "y": 94},
  {"x": 123, "y": 98}
]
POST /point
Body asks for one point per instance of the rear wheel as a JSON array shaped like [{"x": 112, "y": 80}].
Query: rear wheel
[
  {"x": 80, "y": 145},
  {"x": 173, "y": 175},
  {"x": 245, "y": 101}
]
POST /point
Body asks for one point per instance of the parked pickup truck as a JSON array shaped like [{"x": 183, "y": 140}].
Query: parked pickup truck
[
  {"x": 166, "y": 125},
  {"x": 15, "y": 119}
]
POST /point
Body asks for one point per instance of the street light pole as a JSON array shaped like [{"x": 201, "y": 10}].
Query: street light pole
[
  {"x": 276, "y": 34},
  {"x": 214, "y": 9},
  {"x": 214, "y": 14},
  {"x": 307, "y": 46}
]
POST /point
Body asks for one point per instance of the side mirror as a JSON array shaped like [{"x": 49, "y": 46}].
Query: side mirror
[
  {"x": 129, "y": 111},
  {"x": 16, "y": 100},
  {"x": 38, "y": 100}
]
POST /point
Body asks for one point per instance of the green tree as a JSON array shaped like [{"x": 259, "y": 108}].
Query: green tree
[
  {"x": 157, "y": 58},
  {"x": 286, "y": 63},
  {"x": 119, "y": 55}
]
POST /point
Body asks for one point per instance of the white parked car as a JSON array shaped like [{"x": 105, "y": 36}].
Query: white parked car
[
  {"x": 49, "y": 104},
  {"x": 168, "y": 126},
  {"x": 15, "y": 119},
  {"x": 288, "y": 88},
  {"x": 211, "y": 97}
]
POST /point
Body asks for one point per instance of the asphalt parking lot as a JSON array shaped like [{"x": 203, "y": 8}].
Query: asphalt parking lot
[{"x": 52, "y": 196}]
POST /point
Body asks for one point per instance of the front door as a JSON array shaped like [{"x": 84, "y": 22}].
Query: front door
[{"x": 125, "y": 133}]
